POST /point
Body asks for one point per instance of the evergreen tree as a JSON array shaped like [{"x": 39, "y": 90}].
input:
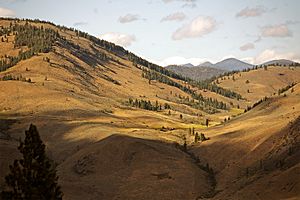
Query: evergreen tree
[
  {"x": 33, "y": 176},
  {"x": 196, "y": 137},
  {"x": 206, "y": 122},
  {"x": 265, "y": 67}
]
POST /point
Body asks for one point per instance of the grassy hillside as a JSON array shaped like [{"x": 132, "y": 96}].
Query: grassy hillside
[
  {"x": 77, "y": 94},
  {"x": 257, "y": 151},
  {"x": 256, "y": 84},
  {"x": 77, "y": 90}
]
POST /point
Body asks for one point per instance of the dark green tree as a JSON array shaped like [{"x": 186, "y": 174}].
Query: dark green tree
[
  {"x": 206, "y": 122},
  {"x": 34, "y": 175},
  {"x": 196, "y": 137}
]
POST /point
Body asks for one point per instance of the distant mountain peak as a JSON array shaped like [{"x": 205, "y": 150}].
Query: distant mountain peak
[
  {"x": 279, "y": 62},
  {"x": 188, "y": 65},
  {"x": 231, "y": 64},
  {"x": 206, "y": 64}
]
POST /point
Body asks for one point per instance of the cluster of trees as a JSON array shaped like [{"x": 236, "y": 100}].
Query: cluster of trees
[
  {"x": 282, "y": 90},
  {"x": 37, "y": 39},
  {"x": 147, "y": 105},
  {"x": 207, "y": 85},
  {"x": 208, "y": 105},
  {"x": 199, "y": 137},
  {"x": 255, "y": 104},
  {"x": 34, "y": 175},
  {"x": 15, "y": 78}
]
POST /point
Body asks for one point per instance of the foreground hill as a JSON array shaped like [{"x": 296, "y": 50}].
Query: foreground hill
[
  {"x": 116, "y": 125},
  {"x": 87, "y": 95},
  {"x": 260, "y": 151}
]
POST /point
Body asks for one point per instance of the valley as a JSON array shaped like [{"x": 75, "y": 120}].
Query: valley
[{"x": 80, "y": 92}]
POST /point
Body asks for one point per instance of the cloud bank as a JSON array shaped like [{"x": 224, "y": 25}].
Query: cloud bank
[
  {"x": 178, "y": 16},
  {"x": 280, "y": 30},
  {"x": 118, "y": 38},
  {"x": 128, "y": 18},
  {"x": 251, "y": 12},
  {"x": 198, "y": 27},
  {"x": 4, "y": 12},
  {"x": 247, "y": 46}
]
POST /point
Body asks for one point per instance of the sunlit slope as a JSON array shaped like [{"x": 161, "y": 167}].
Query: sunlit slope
[
  {"x": 80, "y": 103},
  {"x": 256, "y": 84},
  {"x": 258, "y": 151},
  {"x": 105, "y": 148}
]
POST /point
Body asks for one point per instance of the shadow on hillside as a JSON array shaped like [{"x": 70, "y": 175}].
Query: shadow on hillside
[
  {"x": 238, "y": 164},
  {"x": 117, "y": 166}
]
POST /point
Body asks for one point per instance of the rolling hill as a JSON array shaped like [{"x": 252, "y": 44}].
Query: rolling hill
[
  {"x": 116, "y": 124},
  {"x": 259, "y": 151},
  {"x": 259, "y": 83}
]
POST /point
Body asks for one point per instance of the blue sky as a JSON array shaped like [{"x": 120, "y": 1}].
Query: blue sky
[{"x": 179, "y": 31}]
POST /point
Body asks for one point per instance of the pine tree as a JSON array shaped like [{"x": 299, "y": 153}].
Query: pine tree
[
  {"x": 196, "y": 137},
  {"x": 33, "y": 176},
  {"x": 206, "y": 122}
]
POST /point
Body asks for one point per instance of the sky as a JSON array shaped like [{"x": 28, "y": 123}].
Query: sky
[{"x": 179, "y": 31}]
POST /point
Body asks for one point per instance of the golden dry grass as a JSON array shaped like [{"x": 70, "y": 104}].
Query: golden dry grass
[{"x": 107, "y": 149}]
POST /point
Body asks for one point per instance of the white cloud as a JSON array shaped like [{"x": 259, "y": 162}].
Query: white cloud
[
  {"x": 119, "y": 38},
  {"x": 198, "y": 27},
  {"x": 270, "y": 54},
  {"x": 247, "y": 46},
  {"x": 251, "y": 12},
  {"x": 179, "y": 60},
  {"x": 280, "y": 30},
  {"x": 128, "y": 18},
  {"x": 178, "y": 16},
  {"x": 4, "y": 12},
  {"x": 189, "y": 5}
]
